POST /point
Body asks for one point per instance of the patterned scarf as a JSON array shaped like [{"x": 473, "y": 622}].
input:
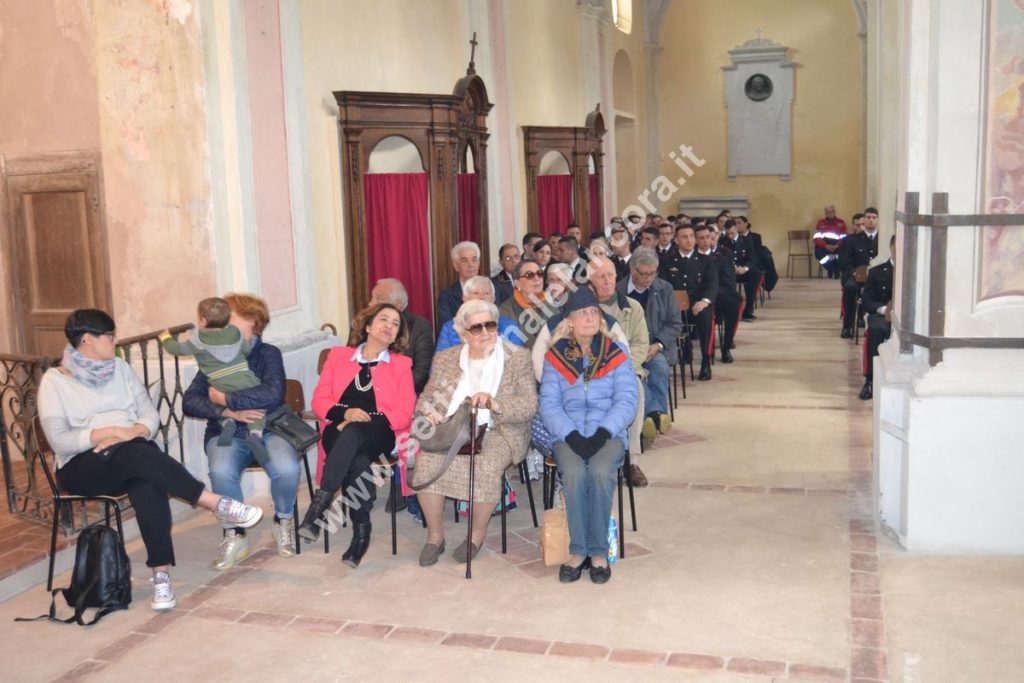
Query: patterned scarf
[
  {"x": 603, "y": 356},
  {"x": 92, "y": 373}
]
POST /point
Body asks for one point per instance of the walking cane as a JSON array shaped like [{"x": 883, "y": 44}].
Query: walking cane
[{"x": 472, "y": 484}]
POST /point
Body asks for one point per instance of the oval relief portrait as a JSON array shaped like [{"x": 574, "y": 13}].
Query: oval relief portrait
[{"x": 758, "y": 87}]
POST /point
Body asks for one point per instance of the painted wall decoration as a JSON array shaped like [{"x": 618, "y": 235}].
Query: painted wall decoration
[{"x": 1002, "y": 251}]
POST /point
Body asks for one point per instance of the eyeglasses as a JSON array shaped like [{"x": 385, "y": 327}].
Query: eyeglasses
[
  {"x": 640, "y": 273},
  {"x": 475, "y": 330},
  {"x": 530, "y": 275},
  {"x": 510, "y": 257}
]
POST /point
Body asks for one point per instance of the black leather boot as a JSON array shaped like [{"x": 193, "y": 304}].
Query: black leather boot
[
  {"x": 867, "y": 391},
  {"x": 705, "y": 370},
  {"x": 309, "y": 530},
  {"x": 360, "y": 543}
]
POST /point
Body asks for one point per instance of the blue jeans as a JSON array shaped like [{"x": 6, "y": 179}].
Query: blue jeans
[
  {"x": 282, "y": 466},
  {"x": 589, "y": 486},
  {"x": 656, "y": 384}
]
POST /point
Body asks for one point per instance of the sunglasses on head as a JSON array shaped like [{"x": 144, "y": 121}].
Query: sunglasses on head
[
  {"x": 490, "y": 326},
  {"x": 530, "y": 275}
]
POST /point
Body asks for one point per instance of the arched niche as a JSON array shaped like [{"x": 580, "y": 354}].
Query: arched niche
[
  {"x": 441, "y": 127},
  {"x": 554, "y": 188},
  {"x": 582, "y": 149}
]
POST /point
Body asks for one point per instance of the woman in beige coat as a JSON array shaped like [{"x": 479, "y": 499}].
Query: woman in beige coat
[{"x": 497, "y": 377}]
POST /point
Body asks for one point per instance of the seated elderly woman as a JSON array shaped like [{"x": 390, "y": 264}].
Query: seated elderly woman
[
  {"x": 478, "y": 288},
  {"x": 588, "y": 397},
  {"x": 495, "y": 376},
  {"x": 364, "y": 399},
  {"x": 99, "y": 419}
]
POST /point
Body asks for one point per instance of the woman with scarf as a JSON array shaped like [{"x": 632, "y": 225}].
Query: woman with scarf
[
  {"x": 588, "y": 397},
  {"x": 495, "y": 376},
  {"x": 364, "y": 400},
  {"x": 99, "y": 419}
]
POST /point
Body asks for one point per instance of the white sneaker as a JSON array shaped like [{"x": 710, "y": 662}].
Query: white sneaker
[
  {"x": 284, "y": 535},
  {"x": 163, "y": 594},
  {"x": 236, "y": 513},
  {"x": 234, "y": 548}
]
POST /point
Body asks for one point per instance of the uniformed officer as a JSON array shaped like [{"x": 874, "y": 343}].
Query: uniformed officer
[
  {"x": 877, "y": 300},
  {"x": 744, "y": 255},
  {"x": 691, "y": 272},
  {"x": 727, "y": 302},
  {"x": 854, "y": 259}
]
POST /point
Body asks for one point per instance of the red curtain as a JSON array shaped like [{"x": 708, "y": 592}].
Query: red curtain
[
  {"x": 595, "y": 205},
  {"x": 397, "y": 234},
  {"x": 469, "y": 223},
  {"x": 554, "y": 201}
]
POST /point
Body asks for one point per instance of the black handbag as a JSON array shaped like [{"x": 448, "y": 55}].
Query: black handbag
[{"x": 290, "y": 426}]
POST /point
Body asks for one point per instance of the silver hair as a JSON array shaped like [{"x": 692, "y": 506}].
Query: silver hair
[
  {"x": 562, "y": 269},
  {"x": 476, "y": 281},
  {"x": 399, "y": 298},
  {"x": 471, "y": 308},
  {"x": 461, "y": 246},
  {"x": 643, "y": 257}
]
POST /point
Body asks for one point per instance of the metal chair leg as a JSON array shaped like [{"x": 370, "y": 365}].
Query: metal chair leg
[
  {"x": 53, "y": 542},
  {"x": 504, "y": 527},
  {"x": 394, "y": 514},
  {"x": 525, "y": 471},
  {"x": 295, "y": 526},
  {"x": 629, "y": 484},
  {"x": 622, "y": 522}
]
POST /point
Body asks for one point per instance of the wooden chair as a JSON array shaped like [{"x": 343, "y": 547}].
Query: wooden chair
[
  {"x": 799, "y": 250},
  {"x": 60, "y": 499}
]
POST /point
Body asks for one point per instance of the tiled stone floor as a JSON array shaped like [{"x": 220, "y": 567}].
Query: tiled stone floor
[{"x": 756, "y": 559}]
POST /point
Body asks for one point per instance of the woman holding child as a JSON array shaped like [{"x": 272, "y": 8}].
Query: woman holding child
[
  {"x": 229, "y": 456},
  {"x": 364, "y": 399}
]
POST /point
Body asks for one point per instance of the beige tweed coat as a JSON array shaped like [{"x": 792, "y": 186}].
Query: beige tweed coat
[{"x": 503, "y": 446}]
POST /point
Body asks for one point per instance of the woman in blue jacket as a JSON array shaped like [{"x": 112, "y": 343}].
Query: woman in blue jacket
[{"x": 588, "y": 397}]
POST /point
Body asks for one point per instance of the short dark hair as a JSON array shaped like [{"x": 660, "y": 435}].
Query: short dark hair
[
  {"x": 87, "y": 321},
  {"x": 215, "y": 311},
  {"x": 856, "y": 217},
  {"x": 724, "y": 212},
  {"x": 569, "y": 238},
  {"x": 650, "y": 230},
  {"x": 502, "y": 248},
  {"x": 529, "y": 236},
  {"x": 745, "y": 220},
  {"x": 573, "y": 225},
  {"x": 686, "y": 227},
  {"x": 697, "y": 228},
  {"x": 597, "y": 234},
  {"x": 554, "y": 235},
  {"x": 870, "y": 209},
  {"x": 730, "y": 223}
]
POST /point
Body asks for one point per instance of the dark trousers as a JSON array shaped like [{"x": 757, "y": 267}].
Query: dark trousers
[
  {"x": 350, "y": 453},
  {"x": 750, "y": 280},
  {"x": 703, "y": 325},
  {"x": 727, "y": 309},
  {"x": 851, "y": 289},
  {"x": 148, "y": 476},
  {"x": 879, "y": 330}
]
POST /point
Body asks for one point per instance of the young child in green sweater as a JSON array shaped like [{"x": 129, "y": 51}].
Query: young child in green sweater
[{"x": 221, "y": 353}]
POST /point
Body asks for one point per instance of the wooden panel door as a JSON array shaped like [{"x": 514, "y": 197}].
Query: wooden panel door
[{"x": 60, "y": 254}]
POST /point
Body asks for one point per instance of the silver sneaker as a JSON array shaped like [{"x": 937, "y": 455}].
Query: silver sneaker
[
  {"x": 163, "y": 594},
  {"x": 236, "y": 513},
  {"x": 233, "y": 549},
  {"x": 284, "y": 535}
]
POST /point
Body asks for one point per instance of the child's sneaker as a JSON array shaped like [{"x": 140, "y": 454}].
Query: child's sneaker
[
  {"x": 231, "y": 512},
  {"x": 163, "y": 594},
  {"x": 227, "y": 431}
]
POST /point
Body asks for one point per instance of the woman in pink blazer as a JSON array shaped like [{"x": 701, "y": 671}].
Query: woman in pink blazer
[{"x": 364, "y": 400}]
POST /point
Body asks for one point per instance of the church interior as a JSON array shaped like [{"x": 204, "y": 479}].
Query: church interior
[{"x": 833, "y": 506}]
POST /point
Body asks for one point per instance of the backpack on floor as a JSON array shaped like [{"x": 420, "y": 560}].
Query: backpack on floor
[{"x": 101, "y": 578}]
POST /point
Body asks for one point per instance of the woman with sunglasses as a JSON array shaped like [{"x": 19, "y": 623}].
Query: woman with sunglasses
[
  {"x": 526, "y": 305},
  {"x": 99, "y": 421},
  {"x": 495, "y": 376}
]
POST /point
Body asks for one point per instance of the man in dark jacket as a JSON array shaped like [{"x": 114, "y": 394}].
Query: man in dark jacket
[
  {"x": 664, "y": 325},
  {"x": 854, "y": 259},
  {"x": 466, "y": 262},
  {"x": 689, "y": 271},
  {"x": 727, "y": 302},
  {"x": 877, "y": 299},
  {"x": 748, "y": 273},
  {"x": 508, "y": 257},
  {"x": 421, "y": 336}
]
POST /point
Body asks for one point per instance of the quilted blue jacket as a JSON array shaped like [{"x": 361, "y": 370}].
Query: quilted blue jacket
[{"x": 608, "y": 402}]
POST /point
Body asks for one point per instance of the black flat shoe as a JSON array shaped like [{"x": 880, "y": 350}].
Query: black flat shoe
[
  {"x": 846, "y": 333},
  {"x": 726, "y": 356},
  {"x": 600, "y": 574},
  {"x": 568, "y": 574}
]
